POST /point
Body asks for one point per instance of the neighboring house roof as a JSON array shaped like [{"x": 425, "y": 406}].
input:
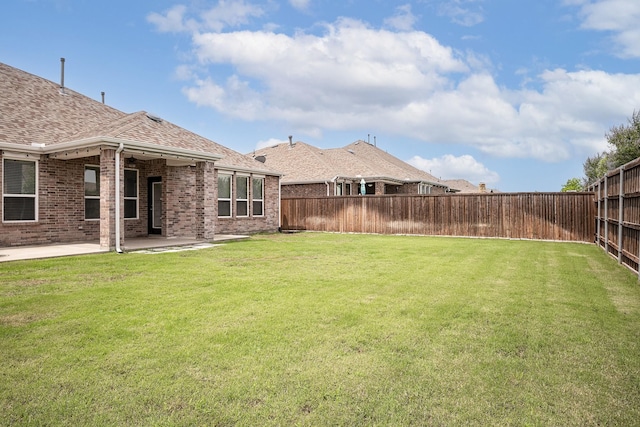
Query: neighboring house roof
[
  {"x": 463, "y": 185},
  {"x": 467, "y": 187},
  {"x": 38, "y": 115},
  {"x": 302, "y": 163}
]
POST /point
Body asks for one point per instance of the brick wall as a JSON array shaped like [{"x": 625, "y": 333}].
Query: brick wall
[
  {"x": 179, "y": 203},
  {"x": 249, "y": 225},
  {"x": 305, "y": 190},
  {"x": 378, "y": 188},
  {"x": 60, "y": 207},
  {"x": 186, "y": 214}
]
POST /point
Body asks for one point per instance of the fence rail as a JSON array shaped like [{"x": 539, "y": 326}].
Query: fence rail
[
  {"x": 618, "y": 214},
  {"x": 544, "y": 216}
]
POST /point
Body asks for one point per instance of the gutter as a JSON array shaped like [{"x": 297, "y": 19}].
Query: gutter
[
  {"x": 145, "y": 147},
  {"x": 117, "y": 214}
]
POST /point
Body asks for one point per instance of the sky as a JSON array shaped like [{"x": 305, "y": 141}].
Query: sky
[{"x": 515, "y": 94}]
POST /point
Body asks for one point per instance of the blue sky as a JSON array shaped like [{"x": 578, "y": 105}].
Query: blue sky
[{"x": 515, "y": 94}]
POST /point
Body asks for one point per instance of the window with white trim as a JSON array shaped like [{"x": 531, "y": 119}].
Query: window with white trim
[
  {"x": 224, "y": 195},
  {"x": 92, "y": 192},
  {"x": 338, "y": 191},
  {"x": 19, "y": 190},
  {"x": 424, "y": 188},
  {"x": 257, "y": 196},
  {"x": 131, "y": 194},
  {"x": 242, "y": 195}
]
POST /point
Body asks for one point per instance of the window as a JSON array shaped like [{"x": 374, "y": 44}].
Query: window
[
  {"x": 338, "y": 189},
  {"x": 424, "y": 188},
  {"x": 19, "y": 190},
  {"x": 130, "y": 194},
  {"x": 92, "y": 192},
  {"x": 242, "y": 196},
  {"x": 224, "y": 195},
  {"x": 258, "y": 197},
  {"x": 347, "y": 189}
]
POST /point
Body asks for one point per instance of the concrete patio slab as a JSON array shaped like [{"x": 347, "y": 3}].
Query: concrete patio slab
[{"x": 135, "y": 244}]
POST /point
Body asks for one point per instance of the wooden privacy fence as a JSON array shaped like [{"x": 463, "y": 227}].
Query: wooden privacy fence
[
  {"x": 618, "y": 214},
  {"x": 544, "y": 216}
]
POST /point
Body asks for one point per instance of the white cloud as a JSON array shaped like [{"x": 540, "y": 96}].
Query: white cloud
[
  {"x": 452, "y": 167},
  {"x": 403, "y": 20},
  {"x": 270, "y": 143},
  {"x": 232, "y": 13},
  {"x": 227, "y": 13},
  {"x": 172, "y": 21},
  {"x": 350, "y": 69},
  {"x": 619, "y": 17},
  {"x": 352, "y": 76},
  {"x": 300, "y": 4},
  {"x": 463, "y": 12}
]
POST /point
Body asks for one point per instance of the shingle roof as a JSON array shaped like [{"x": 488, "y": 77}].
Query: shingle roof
[
  {"x": 35, "y": 110},
  {"x": 302, "y": 163},
  {"x": 463, "y": 185},
  {"x": 467, "y": 187}
]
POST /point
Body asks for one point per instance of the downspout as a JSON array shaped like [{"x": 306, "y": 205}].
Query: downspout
[{"x": 117, "y": 213}]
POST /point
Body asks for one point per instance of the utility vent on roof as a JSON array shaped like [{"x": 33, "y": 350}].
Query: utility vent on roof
[
  {"x": 351, "y": 151},
  {"x": 154, "y": 118},
  {"x": 261, "y": 159}
]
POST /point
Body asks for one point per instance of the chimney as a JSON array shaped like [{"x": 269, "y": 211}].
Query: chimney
[
  {"x": 482, "y": 187},
  {"x": 62, "y": 75},
  {"x": 290, "y": 140},
  {"x": 102, "y": 93}
]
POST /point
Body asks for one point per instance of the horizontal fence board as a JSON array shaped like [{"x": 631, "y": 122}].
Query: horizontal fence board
[{"x": 542, "y": 216}]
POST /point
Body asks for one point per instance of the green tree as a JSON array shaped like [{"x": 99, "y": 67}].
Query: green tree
[
  {"x": 573, "y": 184},
  {"x": 624, "y": 141},
  {"x": 595, "y": 168}
]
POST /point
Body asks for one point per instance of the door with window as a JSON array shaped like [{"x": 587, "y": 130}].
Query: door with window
[{"x": 155, "y": 205}]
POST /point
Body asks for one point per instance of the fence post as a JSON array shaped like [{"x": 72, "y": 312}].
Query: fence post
[
  {"x": 599, "y": 224},
  {"x": 606, "y": 215},
  {"x": 620, "y": 214}
]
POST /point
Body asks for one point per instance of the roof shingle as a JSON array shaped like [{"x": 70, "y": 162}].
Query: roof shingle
[
  {"x": 303, "y": 163},
  {"x": 36, "y": 110}
]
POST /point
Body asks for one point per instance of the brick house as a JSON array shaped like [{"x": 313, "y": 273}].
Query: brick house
[
  {"x": 313, "y": 172},
  {"x": 74, "y": 169}
]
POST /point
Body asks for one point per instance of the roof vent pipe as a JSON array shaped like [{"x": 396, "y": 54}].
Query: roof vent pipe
[
  {"x": 102, "y": 93},
  {"x": 374, "y": 141},
  {"x": 62, "y": 74},
  {"x": 291, "y": 140}
]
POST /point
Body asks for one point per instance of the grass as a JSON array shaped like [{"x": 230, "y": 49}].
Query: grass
[{"x": 323, "y": 329}]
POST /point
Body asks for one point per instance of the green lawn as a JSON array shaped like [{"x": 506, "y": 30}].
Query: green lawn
[{"x": 323, "y": 329}]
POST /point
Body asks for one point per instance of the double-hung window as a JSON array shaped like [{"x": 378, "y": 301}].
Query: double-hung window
[
  {"x": 131, "y": 194},
  {"x": 257, "y": 196},
  {"x": 242, "y": 195},
  {"x": 224, "y": 195},
  {"x": 19, "y": 190},
  {"x": 92, "y": 192}
]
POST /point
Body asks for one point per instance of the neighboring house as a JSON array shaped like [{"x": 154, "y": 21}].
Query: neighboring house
[
  {"x": 466, "y": 187},
  {"x": 74, "y": 169},
  {"x": 313, "y": 172}
]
